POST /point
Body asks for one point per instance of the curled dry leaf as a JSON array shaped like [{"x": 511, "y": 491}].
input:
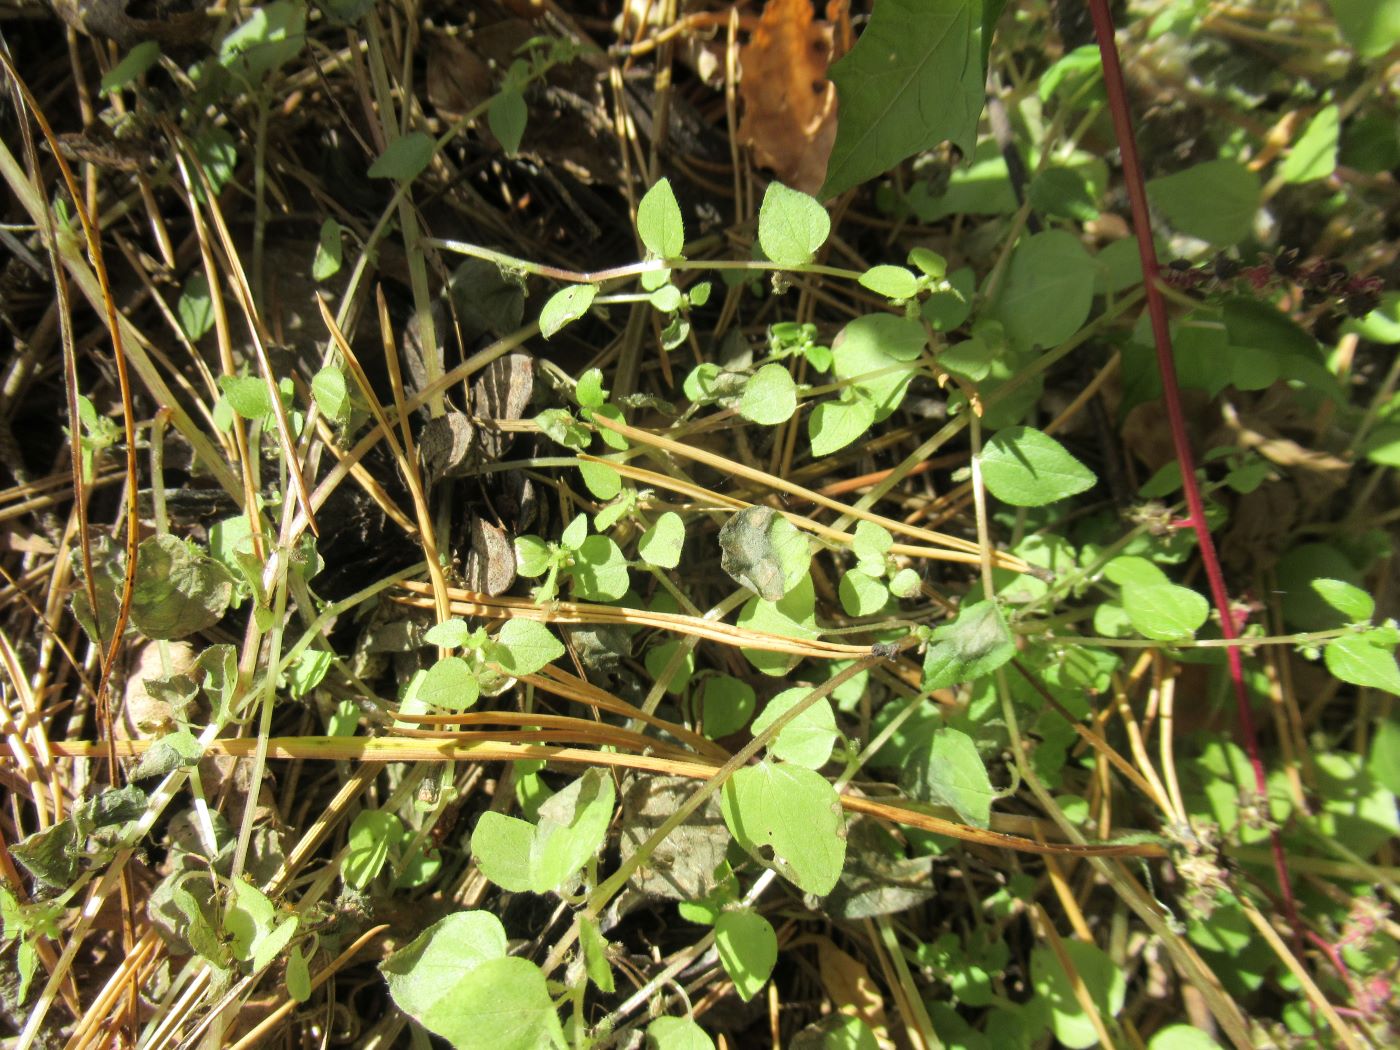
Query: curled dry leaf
[
  {"x": 503, "y": 393},
  {"x": 491, "y": 562},
  {"x": 789, "y": 105},
  {"x": 458, "y": 79}
]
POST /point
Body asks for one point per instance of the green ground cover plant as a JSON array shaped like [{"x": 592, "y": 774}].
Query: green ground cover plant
[{"x": 578, "y": 526}]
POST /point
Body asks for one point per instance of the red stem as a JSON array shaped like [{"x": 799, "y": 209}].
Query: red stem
[{"x": 1171, "y": 397}]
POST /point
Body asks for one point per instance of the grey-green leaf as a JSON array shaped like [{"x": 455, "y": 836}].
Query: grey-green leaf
[
  {"x": 405, "y": 158},
  {"x": 975, "y": 644},
  {"x": 763, "y": 551},
  {"x": 952, "y": 774}
]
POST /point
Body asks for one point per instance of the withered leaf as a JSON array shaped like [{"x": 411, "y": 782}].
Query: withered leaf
[
  {"x": 502, "y": 392},
  {"x": 445, "y": 446},
  {"x": 491, "y": 562},
  {"x": 789, "y": 105}
]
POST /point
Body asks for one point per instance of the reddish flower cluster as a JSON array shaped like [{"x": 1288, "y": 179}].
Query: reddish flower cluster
[{"x": 1321, "y": 280}]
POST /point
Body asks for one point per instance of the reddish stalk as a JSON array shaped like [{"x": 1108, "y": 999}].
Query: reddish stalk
[{"x": 1171, "y": 397}]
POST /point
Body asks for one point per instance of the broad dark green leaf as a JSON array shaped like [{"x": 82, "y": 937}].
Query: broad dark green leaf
[
  {"x": 1028, "y": 468},
  {"x": 1048, "y": 290},
  {"x": 1214, "y": 201},
  {"x": 913, "y": 80}
]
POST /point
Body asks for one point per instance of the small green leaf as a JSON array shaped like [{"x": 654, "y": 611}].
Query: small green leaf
[
  {"x": 1370, "y": 26},
  {"x": 525, "y": 646},
  {"x": 449, "y": 685},
  {"x": 953, "y": 775},
  {"x": 599, "y": 572},
  {"x": 1063, "y": 192},
  {"x": 763, "y": 551},
  {"x": 791, "y": 225},
  {"x": 506, "y": 116},
  {"x": 501, "y": 1004},
  {"x": 861, "y": 594},
  {"x": 1181, "y": 1037},
  {"x": 1214, "y": 201},
  {"x": 870, "y": 543},
  {"x": 770, "y": 396},
  {"x": 659, "y": 658},
  {"x": 135, "y": 62},
  {"x": 975, "y": 644},
  {"x": 571, "y": 539},
  {"x": 421, "y": 974},
  {"x": 588, "y": 391},
  {"x": 677, "y": 1033},
  {"x": 659, "y": 222},
  {"x": 329, "y": 252},
  {"x": 532, "y": 556},
  {"x": 906, "y": 583},
  {"x": 789, "y": 818},
  {"x": 405, "y": 158},
  {"x": 332, "y": 394},
  {"x": 727, "y": 704},
  {"x": 661, "y": 544},
  {"x": 567, "y": 304},
  {"x": 298, "y": 976},
  {"x": 373, "y": 835},
  {"x": 893, "y": 282},
  {"x": 835, "y": 424},
  {"x": 601, "y": 480},
  {"x": 1366, "y": 659},
  {"x": 793, "y": 616},
  {"x": 1028, "y": 468},
  {"x": 247, "y": 395},
  {"x": 748, "y": 949},
  {"x": 501, "y": 846},
  {"x": 1164, "y": 612},
  {"x": 809, "y": 738},
  {"x": 572, "y": 828},
  {"x": 195, "y": 308},
  {"x": 273, "y": 35},
  {"x": 595, "y": 955},
  {"x": 1347, "y": 598},
  {"x": 1314, "y": 155}
]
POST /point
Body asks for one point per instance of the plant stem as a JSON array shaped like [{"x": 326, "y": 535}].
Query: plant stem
[{"x": 1176, "y": 419}]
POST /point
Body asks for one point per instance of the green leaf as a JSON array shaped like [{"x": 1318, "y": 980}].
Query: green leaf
[
  {"x": 422, "y": 974},
  {"x": 567, "y": 304},
  {"x": 953, "y": 775},
  {"x": 599, "y": 572},
  {"x": 600, "y": 479},
  {"x": 1028, "y": 468},
  {"x": 178, "y": 591},
  {"x": 332, "y": 395},
  {"x": 272, "y": 36},
  {"x": 501, "y": 846},
  {"x": 893, "y": 282},
  {"x": 506, "y": 116},
  {"x": 572, "y": 828},
  {"x": 971, "y": 358},
  {"x": 794, "y": 616},
  {"x": 1383, "y": 763},
  {"x": 770, "y": 396},
  {"x": 1314, "y": 155},
  {"x": 906, "y": 583},
  {"x": 525, "y": 646},
  {"x": 763, "y": 551},
  {"x": 809, "y": 738},
  {"x": 861, "y": 594},
  {"x": 659, "y": 658},
  {"x": 870, "y": 543},
  {"x": 1104, "y": 980},
  {"x": 247, "y": 395},
  {"x": 1048, "y": 291},
  {"x": 913, "y": 79},
  {"x": 869, "y": 354},
  {"x": 532, "y": 556},
  {"x": 661, "y": 544},
  {"x": 449, "y": 685},
  {"x": 329, "y": 251},
  {"x": 373, "y": 835},
  {"x": 748, "y": 949},
  {"x": 1063, "y": 192},
  {"x": 677, "y": 1033},
  {"x": 835, "y": 424},
  {"x": 595, "y": 955},
  {"x": 727, "y": 704},
  {"x": 135, "y": 62},
  {"x": 1181, "y": 1037},
  {"x": 659, "y": 222},
  {"x": 298, "y": 976},
  {"x": 949, "y": 309},
  {"x": 405, "y": 158},
  {"x": 1164, "y": 612},
  {"x": 1347, "y": 598},
  {"x": 1214, "y": 201},
  {"x": 195, "y": 308},
  {"x": 789, "y": 818},
  {"x": 500, "y": 1004},
  {"x": 975, "y": 644},
  {"x": 791, "y": 225},
  {"x": 1370, "y": 26},
  {"x": 1366, "y": 659}
]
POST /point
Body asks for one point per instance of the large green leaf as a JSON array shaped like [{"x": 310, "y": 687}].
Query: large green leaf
[
  {"x": 1214, "y": 201},
  {"x": 789, "y": 818},
  {"x": 1370, "y": 26},
  {"x": 1049, "y": 289},
  {"x": 913, "y": 79},
  {"x": 1028, "y": 468}
]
